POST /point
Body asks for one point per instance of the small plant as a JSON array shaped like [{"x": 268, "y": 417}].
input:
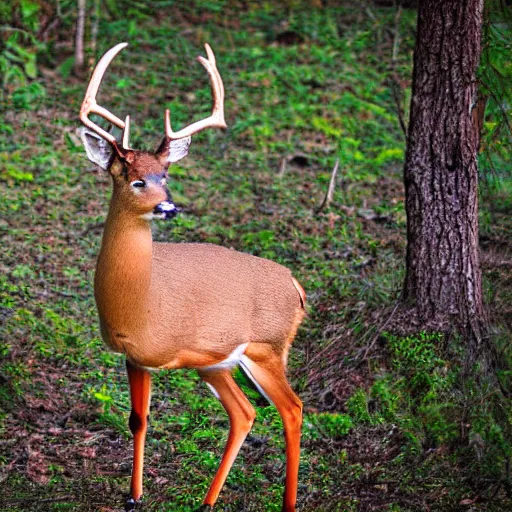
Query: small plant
[
  {"x": 18, "y": 43},
  {"x": 110, "y": 415},
  {"x": 334, "y": 426},
  {"x": 28, "y": 97},
  {"x": 357, "y": 406},
  {"x": 416, "y": 359}
]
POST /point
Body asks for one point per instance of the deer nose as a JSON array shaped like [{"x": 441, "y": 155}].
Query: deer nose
[{"x": 167, "y": 209}]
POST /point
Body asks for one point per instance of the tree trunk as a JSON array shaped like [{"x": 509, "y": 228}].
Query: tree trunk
[
  {"x": 79, "y": 38},
  {"x": 442, "y": 287}
]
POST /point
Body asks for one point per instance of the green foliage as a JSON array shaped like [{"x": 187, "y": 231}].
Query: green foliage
[
  {"x": 436, "y": 407},
  {"x": 110, "y": 415},
  {"x": 389, "y": 155},
  {"x": 420, "y": 383},
  {"x": 416, "y": 359},
  {"x": 28, "y": 97},
  {"x": 495, "y": 78},
  {"x": 357, "y": 407},
  {"x": 18, "y": 59},
  {"x": 18, "y": 44},
  {"x": 328, "y": 426}
]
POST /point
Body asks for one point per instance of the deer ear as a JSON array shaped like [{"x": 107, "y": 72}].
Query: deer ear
[
  {"x": 99, "y": 151},
  {"x": 174, "y": 150}
]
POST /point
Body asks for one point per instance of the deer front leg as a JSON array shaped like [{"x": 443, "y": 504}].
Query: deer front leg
[{"x": 140, "y": 394}]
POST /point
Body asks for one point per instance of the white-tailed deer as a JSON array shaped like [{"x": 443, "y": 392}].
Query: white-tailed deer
[{"x": 181, "y": 305}]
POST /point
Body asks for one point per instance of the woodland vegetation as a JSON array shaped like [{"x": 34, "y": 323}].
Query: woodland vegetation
[{"x": 310, "y": 173}]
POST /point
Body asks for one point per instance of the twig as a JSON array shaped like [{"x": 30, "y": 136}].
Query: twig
[
  {"x": 322, "y": 352},
  {"x": 370, "y": 14},
  {"x": 379, "y": 331},
  {"x": 395, "y": 88},
  {"x": 395, "y": 82},
  {"x": 330, "y": 191},
  {"x": 28, "y": 499},
  {"x": 79, "y": 39},
  {"x": 282, "y": 168},
  {"x": 502, "y": 109},
  {"x": 396, "y": 41}
]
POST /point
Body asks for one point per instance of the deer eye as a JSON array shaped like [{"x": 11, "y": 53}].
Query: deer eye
[{"x": 138, "y": 183}]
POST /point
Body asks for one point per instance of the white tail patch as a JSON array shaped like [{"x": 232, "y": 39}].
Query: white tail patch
[
  {"x": 302, "y": 293},
  {"x": 213, "y": 390},
  {"x": 230, "y": 362},
  {"x": 245, "y": 364}
]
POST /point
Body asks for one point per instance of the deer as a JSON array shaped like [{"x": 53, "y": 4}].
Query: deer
[{"x": 187, "y": 305}]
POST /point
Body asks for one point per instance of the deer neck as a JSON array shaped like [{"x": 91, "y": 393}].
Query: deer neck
[{"x": 123, "y": 274}]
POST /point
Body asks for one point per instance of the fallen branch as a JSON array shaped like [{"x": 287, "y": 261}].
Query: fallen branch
[
  {"x": 330, "y": 191},
  {"x": 282, "y": 168},
  {"x": 396, "y": 88}
]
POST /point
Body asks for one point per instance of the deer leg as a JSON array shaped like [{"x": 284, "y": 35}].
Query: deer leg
[
  {"x": 140, "y": 394},
  {"x": 269, "y": 375},
  {"x": 241, "y": 417}
]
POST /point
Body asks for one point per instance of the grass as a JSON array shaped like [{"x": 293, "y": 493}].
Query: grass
[{"x": 380, "y": 431}]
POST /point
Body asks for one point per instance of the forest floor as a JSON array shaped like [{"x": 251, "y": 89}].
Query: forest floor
[{"x": 303, "y": 88}]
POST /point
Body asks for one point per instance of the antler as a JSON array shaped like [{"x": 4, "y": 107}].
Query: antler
[
  {"x": 89, "y": 105},
  {"x": 216, "y": 120}
]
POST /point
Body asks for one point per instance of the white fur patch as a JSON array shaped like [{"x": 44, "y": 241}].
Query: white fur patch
[
  {"x": 231, "y": 361},
  {"x": 245, "y": 364},
  {"x": 213, "y": 390},
  {"x": 166, "y": 206},
  {"x": 151, "y": 216}
]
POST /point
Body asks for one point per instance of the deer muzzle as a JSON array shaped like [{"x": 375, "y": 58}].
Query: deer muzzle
[{"x": 166, "y": 210}]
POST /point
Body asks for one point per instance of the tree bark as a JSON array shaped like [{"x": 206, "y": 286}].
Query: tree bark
[{"x": 442, "y": 288}]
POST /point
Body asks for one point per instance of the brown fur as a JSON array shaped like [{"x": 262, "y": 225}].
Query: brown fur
[{"x": 184, "y": 305}]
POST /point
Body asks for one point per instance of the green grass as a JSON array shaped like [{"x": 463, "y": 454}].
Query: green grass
[{"x": 383, "y": 433}]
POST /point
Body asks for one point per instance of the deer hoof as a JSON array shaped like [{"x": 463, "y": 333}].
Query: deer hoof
[
  {"x": 205, "y": 508},
  {"x": 131, "y": 504}
]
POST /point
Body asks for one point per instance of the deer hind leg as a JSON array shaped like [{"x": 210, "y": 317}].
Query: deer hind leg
[
  {"x": 241, "y": 416},
  {"x": 140, "y": 394},
  {"x": 267, "y": 370}
]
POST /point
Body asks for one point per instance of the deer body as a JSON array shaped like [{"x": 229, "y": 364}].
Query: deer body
[
  {"x": 201, "y": 306},
  {"x": 208, "y": 300}
]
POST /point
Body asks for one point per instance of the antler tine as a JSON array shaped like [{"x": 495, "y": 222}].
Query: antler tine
[
  {"x": 211, "y": 58},
  {"x": 216, "y": 120},
  {"x": 89, "y": 105},
  {"x": 126, "y": 133}
]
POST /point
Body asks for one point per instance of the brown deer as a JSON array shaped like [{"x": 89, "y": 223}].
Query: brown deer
[{"x": 184, "y": 305}]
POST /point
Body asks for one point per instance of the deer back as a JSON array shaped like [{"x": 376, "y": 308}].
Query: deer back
[{"x": 211, "y": 298}]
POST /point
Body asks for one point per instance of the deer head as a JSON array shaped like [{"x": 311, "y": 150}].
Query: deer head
[{"x": 140, "y": 177}]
